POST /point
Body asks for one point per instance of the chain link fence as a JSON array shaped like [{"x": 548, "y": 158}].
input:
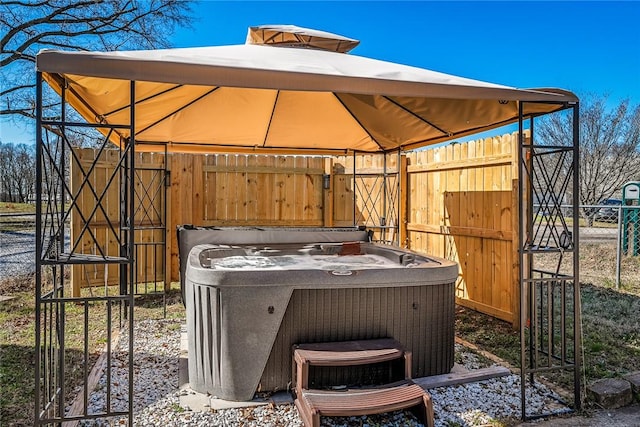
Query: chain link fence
[
  {"x": 609, "y": 244},
  {"x": 628, "y": 248}
]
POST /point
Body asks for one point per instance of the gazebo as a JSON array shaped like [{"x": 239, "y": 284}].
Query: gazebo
[{"x": 295, "y": 91}]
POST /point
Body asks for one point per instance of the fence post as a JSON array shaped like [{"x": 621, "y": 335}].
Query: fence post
[
  {"x": 619, "y": 246},
  {"x": 327, "y": 190},
  {"x": 403, "y": 178}
]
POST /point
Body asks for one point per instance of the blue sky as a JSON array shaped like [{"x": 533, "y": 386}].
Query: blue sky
[
  {"x": 586, "y": 47},
  {"x": 580, "y": 46}
]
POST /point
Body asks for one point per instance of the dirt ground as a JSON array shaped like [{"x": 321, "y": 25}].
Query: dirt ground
[{"x": 629, "y": 416}]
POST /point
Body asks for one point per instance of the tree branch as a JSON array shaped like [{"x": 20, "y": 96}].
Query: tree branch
[
  {"x": 16, "y": 88},
  {"x": 19, "y": 112},
  {"x": 42, "y": 20},
  {"x": 80, "y": 25},
  {"x": 107, "y": 26},
  {"x": 25, "y": 4}
]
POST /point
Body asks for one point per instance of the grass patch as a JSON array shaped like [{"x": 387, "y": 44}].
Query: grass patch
[
  {"x": 598, "y": 267},
  {"x": 17, "y": 223},
  {"x": 496, "y": 336},
  {"x": 582, "y": 222},
  {"x": 8, "y": 207},
  {"x": 611, "y": 332},
  {"x": 17, "y": 338},
  {"x": 610, "y": 326},
  {"x": 17, "y": 356}
]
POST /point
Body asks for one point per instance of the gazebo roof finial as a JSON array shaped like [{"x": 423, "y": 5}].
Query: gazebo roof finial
[{"x": 293, "y": 36}]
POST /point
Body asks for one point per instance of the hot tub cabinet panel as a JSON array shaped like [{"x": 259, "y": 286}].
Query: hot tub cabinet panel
[
  {"x": 242, "y": 323},
  {"x": 420, "y": 317},
  {"x": 230, "y": 333}
]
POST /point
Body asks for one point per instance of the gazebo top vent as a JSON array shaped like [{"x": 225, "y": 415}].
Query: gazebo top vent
[{"x": 293, "y": 36}]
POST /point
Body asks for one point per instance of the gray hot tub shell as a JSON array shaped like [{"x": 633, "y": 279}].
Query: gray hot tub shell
[
  {"x": 189, "y": 236},
  {"x": 242, "y": 323}
]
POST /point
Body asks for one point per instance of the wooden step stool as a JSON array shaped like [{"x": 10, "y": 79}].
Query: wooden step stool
[{"x": 312, "y": 404}]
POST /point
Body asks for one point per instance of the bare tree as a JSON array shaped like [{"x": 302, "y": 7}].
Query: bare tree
[
  {"x": 6, "y": 157},
  {"x": 609, "y": 146},
  {"x": 17, "y": 173},
  {"x": 27, "y": 26}
]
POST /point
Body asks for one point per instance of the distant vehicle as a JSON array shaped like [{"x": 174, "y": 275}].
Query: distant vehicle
[{"x": 609, "y": 213}]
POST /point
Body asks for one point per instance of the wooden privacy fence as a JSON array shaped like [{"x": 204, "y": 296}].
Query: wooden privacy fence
[
  {"x": 462, "y": 205},
  {"x": 458, "y": 201},
  {"x": 243, "y": 190},
  {"x": 221, "y": 190}
]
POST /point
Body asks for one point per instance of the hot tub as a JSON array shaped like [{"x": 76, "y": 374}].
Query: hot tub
[{"x": 247, "y": 304}]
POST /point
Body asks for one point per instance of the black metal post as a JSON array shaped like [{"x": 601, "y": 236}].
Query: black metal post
[
  {"x": 383, "y": 219},
  {"x": 131, "y": 244},
  {"x": 521, "y": 243},
  {"x": 59, "y": 293},
  {"x": 543, "y": 293},
  {"x": 38, "y": 254},
  {"x": 355, "y": 192},
  {"x": 399, "y": 199},
  {"x": 577, "y": 314},
  {"x": 53, "y": 256},
  {"x": 166, "y": 183}
]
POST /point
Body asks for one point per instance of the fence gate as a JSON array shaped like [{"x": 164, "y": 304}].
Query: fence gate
[{"x": 150, "y": 200}]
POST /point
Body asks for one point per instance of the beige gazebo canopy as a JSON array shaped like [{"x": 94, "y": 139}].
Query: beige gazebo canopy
[{"x": 287, "y": 89}]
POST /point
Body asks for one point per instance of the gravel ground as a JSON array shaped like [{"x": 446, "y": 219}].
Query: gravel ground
[
  {"x": 17, "y": 253},
  {"x": 156, "y": 401}
]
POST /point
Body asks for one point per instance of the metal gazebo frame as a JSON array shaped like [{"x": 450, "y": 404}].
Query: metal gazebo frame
[
  {"x": 550, "y": 316},
  {"x": 54, "y": 258},
  {"x": 549, "y": 301}
]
